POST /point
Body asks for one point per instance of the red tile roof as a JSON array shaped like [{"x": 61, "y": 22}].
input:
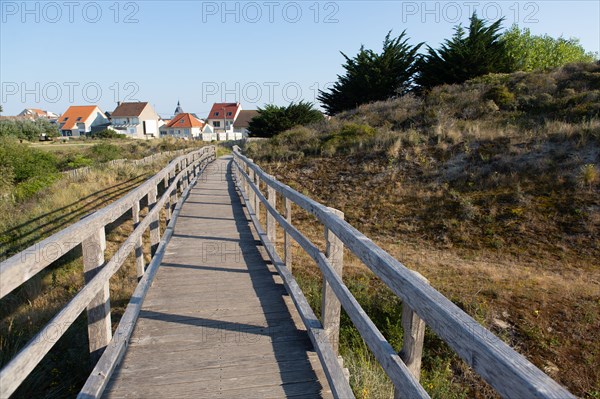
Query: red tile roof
[
  {"x": 69, "y": 118},
  {"x": 217, "y": 110},
  {"x": 185, "y": 120}
]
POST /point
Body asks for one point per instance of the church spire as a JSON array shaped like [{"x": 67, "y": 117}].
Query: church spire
[{"x": 178, "y": 110}]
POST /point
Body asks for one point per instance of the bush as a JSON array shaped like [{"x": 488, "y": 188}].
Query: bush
[
  {"x": 26, "y": 129},
  {"x": 273, "y": 119},
  {"x": 108, "y": 134},
  {"x": 501, "y": 96},
  {"x": 105, "y": 152}
]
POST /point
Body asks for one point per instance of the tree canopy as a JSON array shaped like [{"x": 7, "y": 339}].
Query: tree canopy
[
  {"x": 465, "y": 56},
  {"x": 274, "y": 119},
  {"x": 372, "y": 76},
  {"x": 533, "y": 52}
]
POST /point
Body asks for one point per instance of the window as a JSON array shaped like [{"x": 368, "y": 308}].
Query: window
[
  {"x": 187, "y": 132},
  {"x": 216, "y": 114},
  {"x": 217, "y": 124},
  {"x": 78, "y": 119},
  {"x": 181, "y": 121},
  {"x": 229, "y": 114},
  {"x": 66, "y": 119}
]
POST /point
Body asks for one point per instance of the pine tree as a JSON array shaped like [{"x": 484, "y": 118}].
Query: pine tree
[
  {"x": 465, "y": 56},
  {"x": 371, "y": 76}
]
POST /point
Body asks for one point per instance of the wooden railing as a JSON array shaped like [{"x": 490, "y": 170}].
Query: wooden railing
[
  {"x": 89, "y": 233},
  {"x": 508, "y": 372}
]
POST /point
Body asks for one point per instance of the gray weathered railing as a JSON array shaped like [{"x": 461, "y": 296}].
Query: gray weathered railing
[
  {"x": 510, "y": 373},
  {"x": 90, "y": 234}
]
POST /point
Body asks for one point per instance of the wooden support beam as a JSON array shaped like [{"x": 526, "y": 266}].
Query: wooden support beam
[
  {"x": 331, "y": 308},
  {"x": 139, "y": 246},
  {"x": 412, "y": 347},
  {"x": 271, "y": 226},
  {"x": 287, "y": 240},
  {"x": 98, "y": 310},
  {"x": 154, "y": 224}
]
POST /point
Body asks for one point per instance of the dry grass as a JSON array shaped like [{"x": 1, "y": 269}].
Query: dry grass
[
  {"x": 491, "y": 190},
  {"x": 27, "y": 309}
]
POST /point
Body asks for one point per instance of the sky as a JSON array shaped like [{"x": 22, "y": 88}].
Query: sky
[{"x": 54, "y": 54}]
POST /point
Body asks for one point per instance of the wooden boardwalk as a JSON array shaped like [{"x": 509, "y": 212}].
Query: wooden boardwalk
[{"x": 217, "y": 321}]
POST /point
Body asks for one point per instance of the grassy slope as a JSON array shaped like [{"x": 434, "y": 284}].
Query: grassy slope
[{"x": 491, "y": 190}]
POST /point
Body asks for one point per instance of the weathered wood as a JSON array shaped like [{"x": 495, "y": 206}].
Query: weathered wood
[
  {"x": 331, "y": 308},
  {"x": 414, "y": 334},
  {"x": 332, "y": 368},
  {"x": 139, "y": 246},
  {"x": 19, "y": 367},
  {"x": 24, "y": 265},
  {"x": 96, "y": 383},
  {"x": 381, "y": 349},
  {"x": 256, "y": 204},
  {"x": 98, "y": 310},
  {"x": 251, "y": 192},
  {"x": 287, "y": 241},
  {"x": 271, "y": 227},
  {"x": 155, "y": 225},
  {"x": 205, "y": 336},
  {"x": 490, "y": 357}
]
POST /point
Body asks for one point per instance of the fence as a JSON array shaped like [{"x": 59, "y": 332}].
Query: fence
[
  {"x": 508, "y": 372},
  {"x": 89, "y": 233}
]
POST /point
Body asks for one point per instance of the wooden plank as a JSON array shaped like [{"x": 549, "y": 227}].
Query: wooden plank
[
  {"x": 154, "y": 224},
  {"x": 98, "y": 310},
  {"x": 139, "y": 246},
  {"x": 287, "y": 244},
  {"x": 96, "y": 382},
  {"x": 22, "y": 266},
  {"x": 331, "y": 307},
  {"x": 164, "y": 336},
  {"x": 333, "y": 370},
  {"x": 271, "y": 227},
  {"x": 381, "y": 349},
  {"x": 489, "y": 356},
  {"x": 19, "y": 367}
]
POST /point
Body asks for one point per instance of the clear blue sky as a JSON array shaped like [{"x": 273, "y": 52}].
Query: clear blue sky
[{"x": 56, "y": 54}]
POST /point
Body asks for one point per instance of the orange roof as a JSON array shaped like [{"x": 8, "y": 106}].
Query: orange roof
[
  {"x": 217, "y": 110},
  {"x": 70, "y": 118},
  {"x": 185, "y": 120},
  {"x": 38, "y": 111}
]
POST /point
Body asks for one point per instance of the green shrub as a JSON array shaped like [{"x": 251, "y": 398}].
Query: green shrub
[
  {"x": 105, "y": 152},
  {"x": 108, "y": 134},
  {"x": 501, "y": 96}
]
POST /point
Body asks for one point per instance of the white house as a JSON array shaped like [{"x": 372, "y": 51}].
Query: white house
[
  {"x": 137, "y": 120},
  {"x": 184, "y": 126},
  {"x": 240, "y": 125},
  {"x": 79, "y": 120},
  {"x": 222, "y": 117},
  {"x": 34, "y": 113}
]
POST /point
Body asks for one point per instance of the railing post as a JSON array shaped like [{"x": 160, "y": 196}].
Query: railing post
[
  {"x": 256, "y": 197},
  {"x": 98, "y": 310},
  {"x": 331, "y": 308},
  {"x": 287, "y": 240},
  {"x": 271, "y": 227},
  {"x": 414, "y": 333},
  {"x": 251, "y": 193},
  {"x": 139, "y": 246},
  {"x": 154, "y": 224},
  {"x": 167, "y": 181}
]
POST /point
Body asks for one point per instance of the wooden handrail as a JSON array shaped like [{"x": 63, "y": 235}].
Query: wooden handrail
[
  {"x": 91, "y": 228},
  {"x": 510, "y": 373}
]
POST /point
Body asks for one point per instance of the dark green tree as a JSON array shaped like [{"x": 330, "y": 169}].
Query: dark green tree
[
  {"x": 465, "y": 56},
  {"x": 372, "y": 77},
  {"x": 274, "y": 119}
]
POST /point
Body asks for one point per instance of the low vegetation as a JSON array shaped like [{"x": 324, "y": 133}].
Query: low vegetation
[
  {"x": 490, "y": 189},
  {"x": 26, "y": 169}
]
